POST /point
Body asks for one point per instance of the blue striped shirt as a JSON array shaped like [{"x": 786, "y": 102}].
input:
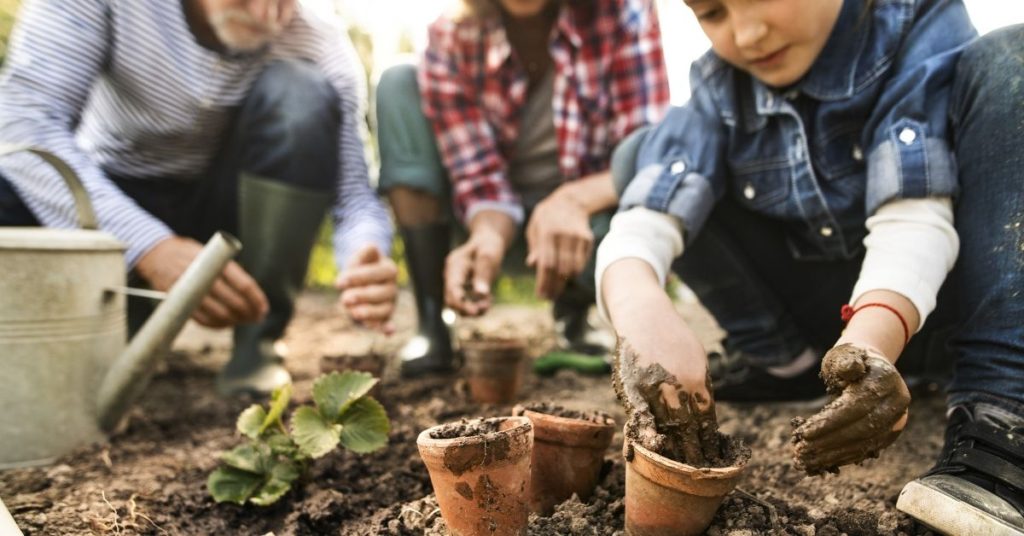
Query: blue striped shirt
[{"x": 121, "y": 87}]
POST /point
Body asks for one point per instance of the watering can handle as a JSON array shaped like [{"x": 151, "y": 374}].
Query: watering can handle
[{"x": 83, "y": 206}]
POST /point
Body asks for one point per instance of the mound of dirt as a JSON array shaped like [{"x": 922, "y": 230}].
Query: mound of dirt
[{"x": 151, "y": 477}]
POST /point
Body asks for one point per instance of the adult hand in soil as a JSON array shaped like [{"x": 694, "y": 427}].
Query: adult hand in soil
[
  {"x": 560, "y": 242},
  {"x": 235, "y": 297},
  {"x": 867, "y": 413},
  {"x": 369, "y": 287},
  {"x": 471, "y": 268}
]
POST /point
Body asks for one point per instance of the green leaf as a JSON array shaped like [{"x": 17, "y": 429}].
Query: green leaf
[
  {"x": 228, "y": 484},
  {"x": 250, "y": 421},
  {"x": 281, "y": 478},
  {"x": 334, "y": 392},
  {"x": 365, "y": 426},
  {"x": 278, "y": 403},
  {"x": 281, "y": 444},
  {"x": 314, "y": 435},
  {"x": 252, "y": 457}
]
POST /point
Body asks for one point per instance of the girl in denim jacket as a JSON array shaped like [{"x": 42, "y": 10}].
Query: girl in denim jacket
[{"x": 843, "y": 152}]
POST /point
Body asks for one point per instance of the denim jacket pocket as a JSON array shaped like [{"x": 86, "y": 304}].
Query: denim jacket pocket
[{"x": 762, "y": 184}]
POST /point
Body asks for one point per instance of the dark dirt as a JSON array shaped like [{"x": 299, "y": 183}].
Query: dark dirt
[
  {"x": 550, "y": 408},
  {"x": 150, "y": 478},
  {"x": 466, "y": 428}
]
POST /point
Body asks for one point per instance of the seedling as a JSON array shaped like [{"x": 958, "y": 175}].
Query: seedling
[{"x": 263, "y": 469}]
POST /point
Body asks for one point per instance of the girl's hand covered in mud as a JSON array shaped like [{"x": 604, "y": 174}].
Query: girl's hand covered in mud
[
  {"x": 663, "y": 415},
  {"x": 867, "y": 413}
]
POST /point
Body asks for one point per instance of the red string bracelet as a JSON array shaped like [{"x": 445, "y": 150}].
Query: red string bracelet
[{"x": 847, "y": 312}]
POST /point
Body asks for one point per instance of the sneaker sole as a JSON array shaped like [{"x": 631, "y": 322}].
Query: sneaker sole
[{"x": 948, "y": 515}]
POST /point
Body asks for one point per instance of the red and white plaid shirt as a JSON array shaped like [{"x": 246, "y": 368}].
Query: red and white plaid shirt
[{"x": 609, "y": 79}]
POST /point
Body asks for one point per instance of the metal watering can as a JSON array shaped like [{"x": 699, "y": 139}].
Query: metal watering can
[{"x": 67, "y": 374}]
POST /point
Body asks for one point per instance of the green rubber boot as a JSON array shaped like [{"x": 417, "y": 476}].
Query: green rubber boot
[{"x": 278, "y": 225}]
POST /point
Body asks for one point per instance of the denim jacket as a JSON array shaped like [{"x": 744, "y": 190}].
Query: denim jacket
[{"x": 867, "y": 124}]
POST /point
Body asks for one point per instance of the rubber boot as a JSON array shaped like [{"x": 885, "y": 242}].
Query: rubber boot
[
  {"x": 572, "y": 327},
  {"x": 430, "y": 350},
  {"x": 278, "y": 225}
]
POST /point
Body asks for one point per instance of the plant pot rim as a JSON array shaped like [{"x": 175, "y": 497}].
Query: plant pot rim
[
  {"x": 523, "y": 427},
  {"x": 567, "y": 431},
  {"x": 648, "y": 462}
]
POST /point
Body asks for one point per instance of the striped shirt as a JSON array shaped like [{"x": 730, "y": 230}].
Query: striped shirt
[
  {"x": 121, "y": 87},
  {"x": 609, "y": 80}
]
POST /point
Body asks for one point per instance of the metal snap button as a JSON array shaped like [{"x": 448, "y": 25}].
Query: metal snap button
[
  {"x": 748, "y": 191},
  {"x": 678, "y": 167},
  {"x": 858, "y": 153},
  {"x": 907, "y": 136},
  {"x": 826, "y": 231}
]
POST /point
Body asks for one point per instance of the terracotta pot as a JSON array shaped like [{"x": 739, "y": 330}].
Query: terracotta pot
[
  {"x": 494, "y": 369},
  {"x": 567, "y": 457},
  {"x": 481, "y": 481},
  {"x": 668, "y": 498}
]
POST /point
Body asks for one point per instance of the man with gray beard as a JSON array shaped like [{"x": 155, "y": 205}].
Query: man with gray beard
[{"x": 187, "y": 117}]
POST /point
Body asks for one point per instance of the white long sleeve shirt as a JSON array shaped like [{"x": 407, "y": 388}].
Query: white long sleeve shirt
[
  {"x": 911, "y": 246},
  {"x": 122, "y": 87}
]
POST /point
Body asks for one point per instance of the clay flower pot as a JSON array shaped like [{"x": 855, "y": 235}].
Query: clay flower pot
[
  {"x": 494, "y": 368},
  {"x": 568, "y": 453},
  {"x": 668, "y": 498},
  {"x": 480, "y": 479}
]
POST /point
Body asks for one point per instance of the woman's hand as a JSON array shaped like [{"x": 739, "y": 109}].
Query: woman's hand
[
  {"x": 558, "y": 235},
  {"x": 369, "y": 288},
  {"x": 471, "y": 268},
  {"x": 560, "y": 243},
  {"x": 867, "y": 414}
]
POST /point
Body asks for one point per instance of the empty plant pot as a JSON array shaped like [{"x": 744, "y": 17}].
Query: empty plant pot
[
  {"x": 568, "y": 453},
  {"x": 480, "y": 471},
  {"x": 668, "y": 498},
  {"x": 494, "y": 368}
]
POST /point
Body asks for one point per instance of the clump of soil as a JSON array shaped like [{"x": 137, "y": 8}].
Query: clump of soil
[
  {"x": 466, "y": 428},
  {"x": 666, "y": 419},
  {"x": 550, "y": 408}
]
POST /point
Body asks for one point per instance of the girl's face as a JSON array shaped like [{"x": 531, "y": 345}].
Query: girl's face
[
  {"x": 247, "y": 25},
  {"x": 524, "y": 8},
  {"x": 776, "y": 41}
]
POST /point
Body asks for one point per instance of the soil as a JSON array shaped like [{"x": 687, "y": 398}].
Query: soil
[
  {"x": 150, "y": 478},
  {"x": 550, "y": 408},
  {"x": 466, "y": 428}
]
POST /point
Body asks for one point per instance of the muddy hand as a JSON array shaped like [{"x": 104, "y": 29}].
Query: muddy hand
[
  {"x": 664, "y": 416},
  {"x": 867, "y": 413}
]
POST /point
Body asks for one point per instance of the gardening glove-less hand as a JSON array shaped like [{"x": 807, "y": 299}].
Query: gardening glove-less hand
[
  {"x": 867, "y": 413},
  {"x": 368, "y": 288},
  {"x": 560, "y": 242},
  {"x": 665, "y": 416}
]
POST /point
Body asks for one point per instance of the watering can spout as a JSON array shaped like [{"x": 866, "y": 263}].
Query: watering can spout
[{"x": 130, "y": 372}]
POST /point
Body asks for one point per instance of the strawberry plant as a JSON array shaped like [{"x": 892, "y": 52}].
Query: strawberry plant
[{"x": 274, "y": 456}]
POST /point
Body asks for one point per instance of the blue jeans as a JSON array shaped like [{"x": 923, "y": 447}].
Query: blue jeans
[
  {"x": 773, "y": 306},
  {"x": 286, "y": 130}
]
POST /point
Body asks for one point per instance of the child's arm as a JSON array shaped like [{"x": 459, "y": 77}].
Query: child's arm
[{"x": 633, "y": 262}]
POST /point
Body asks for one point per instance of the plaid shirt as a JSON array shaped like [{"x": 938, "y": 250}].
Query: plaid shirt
[{"x": 609, "y": 80}]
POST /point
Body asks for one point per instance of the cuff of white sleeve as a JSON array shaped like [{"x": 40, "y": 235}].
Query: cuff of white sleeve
[
  {"x": 640, "y": 233},
  {"x": 903, "y": 282}
]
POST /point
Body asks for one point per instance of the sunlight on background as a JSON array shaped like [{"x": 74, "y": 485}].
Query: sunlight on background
[{"x": 398, "y": 24}]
